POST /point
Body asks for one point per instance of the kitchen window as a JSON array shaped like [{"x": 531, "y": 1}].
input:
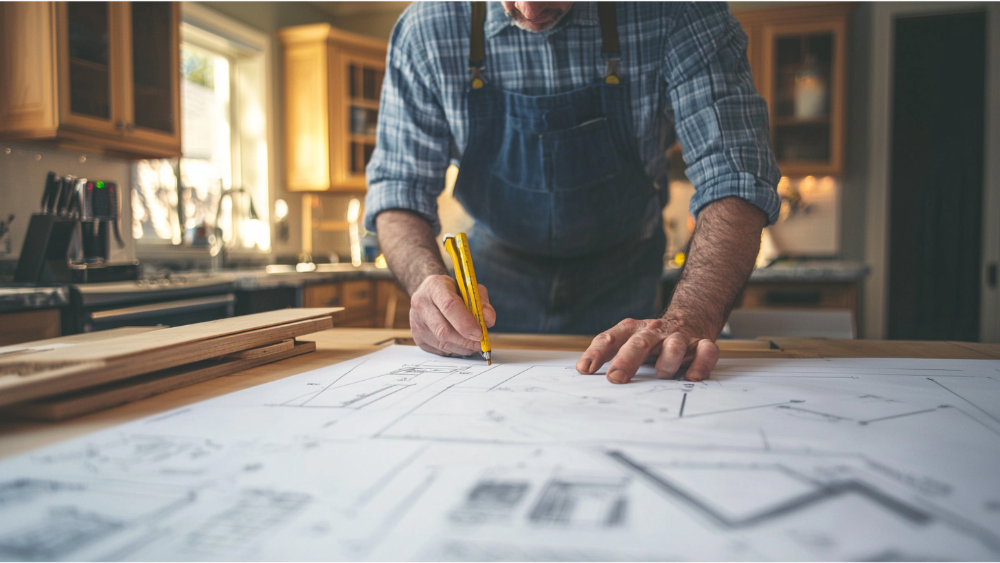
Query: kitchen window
[{"x": 216, "y": 194}]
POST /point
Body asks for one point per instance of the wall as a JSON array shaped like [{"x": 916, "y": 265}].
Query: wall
[{"x": 23, "y": 168}]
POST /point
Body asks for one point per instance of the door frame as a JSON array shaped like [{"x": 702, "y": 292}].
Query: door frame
[{"x": 877, "y": 238}]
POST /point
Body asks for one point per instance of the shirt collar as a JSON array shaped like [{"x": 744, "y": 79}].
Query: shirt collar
[{"x": 581, "y": 13}]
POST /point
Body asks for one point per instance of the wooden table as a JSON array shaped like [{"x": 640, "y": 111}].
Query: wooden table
[{"x": 337, "y": 345}]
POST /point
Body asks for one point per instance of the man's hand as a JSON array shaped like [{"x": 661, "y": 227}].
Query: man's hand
[
  {"x": 440, "y": 322},
  {"x": 438, "y": 318},
  {"x": 631, "y": 342},
  {"x": 722, "y": 255}
]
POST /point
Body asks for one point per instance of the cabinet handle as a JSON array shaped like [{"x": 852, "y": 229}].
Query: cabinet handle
[{"x": 119, "y": 125}]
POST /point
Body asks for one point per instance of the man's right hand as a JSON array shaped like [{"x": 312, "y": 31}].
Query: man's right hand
[{"x": 440, "y": 322}]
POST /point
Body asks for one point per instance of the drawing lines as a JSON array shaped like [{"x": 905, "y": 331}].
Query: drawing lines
[
  {"x": 802, "y": 501},
  {"x": 427, "y": 400},
  {"x": 941, "y": 385}
]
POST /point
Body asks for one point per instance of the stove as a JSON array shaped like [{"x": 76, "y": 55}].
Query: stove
[{"x": 169, "y": 299}]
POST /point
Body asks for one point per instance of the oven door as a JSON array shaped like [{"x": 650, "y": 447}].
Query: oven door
[{"x": 170, "y": 313}]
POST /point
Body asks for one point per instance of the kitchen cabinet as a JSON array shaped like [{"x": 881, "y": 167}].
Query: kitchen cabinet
[
  {"x": 332, "y": 82},
  {"x": 798, "y": 59},
  {"x": 103, "y": 75},
  {"x": 367, "y": 303},
  {"x": 27, "y": 326}
]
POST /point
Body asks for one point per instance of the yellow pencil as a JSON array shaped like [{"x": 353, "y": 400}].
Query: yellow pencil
[{"x": 461, "y": 256}]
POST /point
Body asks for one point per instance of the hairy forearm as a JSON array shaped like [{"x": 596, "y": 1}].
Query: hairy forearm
[
  {"x": 408, "y": 243},
  {"x": 721, "y": 256}
]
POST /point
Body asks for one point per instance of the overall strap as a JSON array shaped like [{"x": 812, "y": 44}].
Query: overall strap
[
  {"x": 477, "y": 44},
  {"x": 609, "y": 41}
]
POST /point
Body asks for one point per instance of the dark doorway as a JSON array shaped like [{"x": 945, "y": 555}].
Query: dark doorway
[{"x": 937, "y": 177}]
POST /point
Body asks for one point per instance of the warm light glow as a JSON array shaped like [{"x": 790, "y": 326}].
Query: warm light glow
[
  {"x": 353, "y": 210},
  {"x": 808, "y": 185},
  {"x": 280, "y": 209},
  {"x": 380, "y": 262}
]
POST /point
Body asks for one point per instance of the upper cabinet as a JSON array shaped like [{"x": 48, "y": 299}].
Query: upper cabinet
[
  {"x": 96, "y": 74},
  {"x": 333, "y": 81},
  {"x": 798, "y": 58}
]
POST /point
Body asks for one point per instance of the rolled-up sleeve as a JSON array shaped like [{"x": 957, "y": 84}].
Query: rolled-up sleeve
[
  {"x": 722, "y": 121},
  {"x": 407, "y": 168}
]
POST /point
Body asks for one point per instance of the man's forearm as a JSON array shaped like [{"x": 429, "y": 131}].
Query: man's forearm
[
  {"x": 407, "y": 241},
  {"x": 721, "y": 256}
]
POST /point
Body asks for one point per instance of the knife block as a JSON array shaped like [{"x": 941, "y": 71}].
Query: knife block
[{"x": 45, "y": 256}]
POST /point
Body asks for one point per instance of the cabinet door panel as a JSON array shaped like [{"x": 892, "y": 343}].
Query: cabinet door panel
[
  {"x": 804, "y": 86},
  {"x": 152, "y": 69},
  {"x": 89, "y": 63}
]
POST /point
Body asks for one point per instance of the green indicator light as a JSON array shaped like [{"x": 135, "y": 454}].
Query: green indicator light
[{"x": 100, "y": 185}]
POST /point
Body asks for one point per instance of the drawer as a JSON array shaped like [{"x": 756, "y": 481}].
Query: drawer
[
  {"x": 27, "y": 326},
  {"x": 800, "y": 295},
  {"x": 358, "y": 295},
  {"x": 321, "y": 295}
]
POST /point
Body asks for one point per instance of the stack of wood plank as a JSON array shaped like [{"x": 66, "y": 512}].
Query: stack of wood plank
[{"x": 66, "y": 377}]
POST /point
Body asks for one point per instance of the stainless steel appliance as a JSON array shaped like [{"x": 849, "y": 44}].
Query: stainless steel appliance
[{"x": 173, "y": 300}]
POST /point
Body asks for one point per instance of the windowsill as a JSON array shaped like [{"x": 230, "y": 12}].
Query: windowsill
[{"x": 153, "y": 257}]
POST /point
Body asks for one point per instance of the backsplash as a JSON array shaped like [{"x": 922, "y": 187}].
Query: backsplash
[{"x": 23, "y": 167}]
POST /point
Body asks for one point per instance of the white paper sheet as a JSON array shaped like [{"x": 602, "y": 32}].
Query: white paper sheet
[{"x": 405, "y": 455}]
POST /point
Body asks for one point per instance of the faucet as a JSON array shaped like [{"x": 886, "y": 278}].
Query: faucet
[{"x": 219, "y": 249}]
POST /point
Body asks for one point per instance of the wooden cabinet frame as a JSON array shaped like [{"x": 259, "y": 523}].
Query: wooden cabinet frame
[
  {"x": 763, "y": 27},
  {"x": 317, "y": 61},
  {"x": 35, "y": 85}
]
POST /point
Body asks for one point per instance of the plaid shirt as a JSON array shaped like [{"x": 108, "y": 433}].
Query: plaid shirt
[{"x": 685, "y": 64}]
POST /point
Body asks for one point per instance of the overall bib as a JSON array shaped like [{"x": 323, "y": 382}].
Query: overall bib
[{"x": 568, "y": 236}]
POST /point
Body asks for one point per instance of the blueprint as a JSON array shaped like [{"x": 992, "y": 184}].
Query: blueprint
[{"x": 402, "y": 455}]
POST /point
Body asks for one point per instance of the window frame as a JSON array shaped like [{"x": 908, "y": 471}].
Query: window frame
[{"x": 249, "y": 53}]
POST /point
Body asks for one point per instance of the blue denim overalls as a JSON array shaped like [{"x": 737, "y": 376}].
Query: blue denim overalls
[{"x": 568, "y": 235}]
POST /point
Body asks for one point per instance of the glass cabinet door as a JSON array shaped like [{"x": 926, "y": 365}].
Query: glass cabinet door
[
  {"x": 805, "y": 95},
  {"x": 364, "y": 92},
  {"x": 152, "y": 66},
  {"x": 90, "y": 77}
]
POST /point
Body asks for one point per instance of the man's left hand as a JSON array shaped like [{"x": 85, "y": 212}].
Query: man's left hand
[{"x": 628, "y": 345}]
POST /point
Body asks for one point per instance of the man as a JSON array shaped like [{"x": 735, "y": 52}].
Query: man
[{"x": 558, "y": 114}]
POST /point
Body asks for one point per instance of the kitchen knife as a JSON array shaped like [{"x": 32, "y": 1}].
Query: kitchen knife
[
  {"x": 65, "y": 191},
  {"x": 51, "y": 194}
]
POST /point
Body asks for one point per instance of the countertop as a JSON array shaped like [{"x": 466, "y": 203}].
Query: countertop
[
  {"x": 817, "y": 271},
  {"x": 21, "y": 298},
  {"x": 18, "y": 298}
]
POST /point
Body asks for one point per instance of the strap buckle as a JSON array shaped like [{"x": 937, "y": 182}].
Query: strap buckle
[
  {"x": 477, "y": 77},
  {"x": 611, "y": 72}
]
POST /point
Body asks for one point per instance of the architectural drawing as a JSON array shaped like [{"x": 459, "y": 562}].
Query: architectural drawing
[{"x": 403, "y": 455}]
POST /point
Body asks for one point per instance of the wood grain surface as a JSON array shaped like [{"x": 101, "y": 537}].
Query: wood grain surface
[{"x": 25, "y": 377}]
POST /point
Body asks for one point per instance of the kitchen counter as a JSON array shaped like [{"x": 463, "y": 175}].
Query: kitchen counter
[
  {"x": 19, "y": 298},
  {"x": 818, "y": 271},
  {"x": 287, "y": 276}
]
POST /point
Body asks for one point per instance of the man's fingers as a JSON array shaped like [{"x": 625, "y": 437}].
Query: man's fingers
[
  {"x": 443, "y": 332},
  {"x": 606, "y": 345},
  {"x": 489, "y": 313},
  {"x": 453, "y": 308},
  {"x": 672, "y": 353},
  {"x": 428, "y": 341},
  {"x": 633, "y": 354},
  {"x": 706, "y": 355}
]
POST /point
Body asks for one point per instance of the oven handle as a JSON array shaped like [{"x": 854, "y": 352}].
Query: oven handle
[{"x": 154, "y": 309}]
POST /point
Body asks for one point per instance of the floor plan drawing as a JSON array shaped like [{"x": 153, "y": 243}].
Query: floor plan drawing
[{"x": 402, "y": 455}]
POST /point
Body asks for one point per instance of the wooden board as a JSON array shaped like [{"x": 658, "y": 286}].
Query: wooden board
[
  {"x": 834, "y": 348},
  {"x": 51, "y": 372},
  {"x": 98, "y": 398}
]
